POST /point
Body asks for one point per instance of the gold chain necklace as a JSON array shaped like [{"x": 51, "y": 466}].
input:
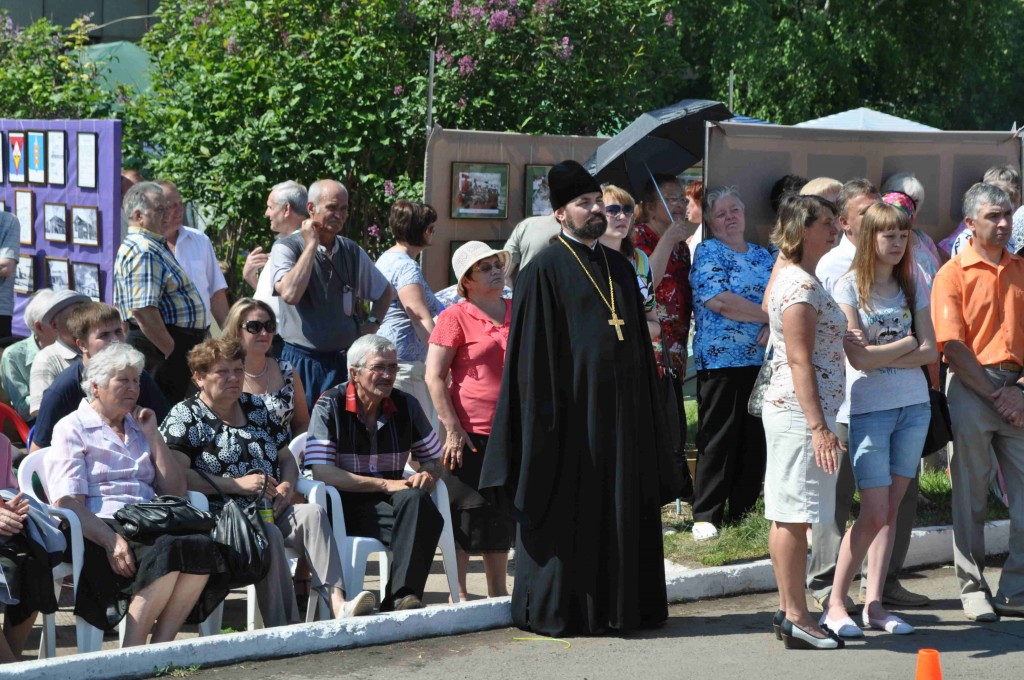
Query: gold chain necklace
[{"x": 615, "y": 321}]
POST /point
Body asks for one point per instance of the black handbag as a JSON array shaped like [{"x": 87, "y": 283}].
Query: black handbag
[
  {"x": 163, "y": 515},
  {"x": 940, "y": 430},
  {"x": 241, "y": 538}
]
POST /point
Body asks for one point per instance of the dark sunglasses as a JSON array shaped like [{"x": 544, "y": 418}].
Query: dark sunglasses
[
  {"x": 614, "y": 210},
  {"x": 487, "y": 267},
  {"x": 255, "y": 327}
]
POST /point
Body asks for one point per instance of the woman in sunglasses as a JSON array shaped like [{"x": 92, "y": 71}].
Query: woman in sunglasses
[
  {"x": 619, "y": 208},
  {"x": 728, "y": 277},
  {"x": 252, "y": 323},
  {"x": 469, "y": 343}
]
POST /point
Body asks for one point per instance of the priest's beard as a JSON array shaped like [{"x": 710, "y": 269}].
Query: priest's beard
[{"x": 592, "y": 228}]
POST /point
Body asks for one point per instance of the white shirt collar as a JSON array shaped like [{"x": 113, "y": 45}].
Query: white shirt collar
[{"x": 570, "y": 236}]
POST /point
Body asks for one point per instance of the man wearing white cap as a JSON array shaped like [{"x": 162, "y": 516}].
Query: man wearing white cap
[
  {"x": 51, "y": 360},
  {"x": 579, "y": 445}
]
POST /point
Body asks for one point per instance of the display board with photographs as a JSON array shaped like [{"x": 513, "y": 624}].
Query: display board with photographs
[
  {"x": 479, "y": 191},
  {"x": 538, "y": 199},
  {"x": 85, "y": 221},
  {"x": 24, "y": 210},
  {"x": 58, "y": 273},
  {"x": 55, "y": 222},
  {"x": 86, "y": 279},
  {"x": 25, "y": 275}
]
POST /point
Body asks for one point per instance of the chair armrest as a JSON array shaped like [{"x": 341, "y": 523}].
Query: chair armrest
[
  {"x": 312, "y": 490},
  {"x": 77, "y": 540}
]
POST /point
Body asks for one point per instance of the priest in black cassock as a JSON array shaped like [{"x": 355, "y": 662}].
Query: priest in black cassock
[{"x": 579, "y": 447}]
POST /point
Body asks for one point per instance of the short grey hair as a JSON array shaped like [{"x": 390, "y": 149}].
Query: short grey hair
[
  {"x": 36, "y": 307},
  {"x": 980, "y": 194},
  {"x": 140, "y": 197},
  {"x": 718, "y": 193},
  {"x": 368, "y": 344},
  {"x": 317, "y": 188},
  {"x": 108, "y": 362},
  {"x": 293, "y": 194},
  {"x": 905, "y": 183}
]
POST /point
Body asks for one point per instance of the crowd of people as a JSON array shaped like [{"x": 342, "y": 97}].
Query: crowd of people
[{"x": 546, "y": 384}]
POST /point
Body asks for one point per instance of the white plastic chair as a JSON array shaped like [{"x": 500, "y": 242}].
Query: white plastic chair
[
  {"x": 88, "y": 637},
  {"x": 314, "y": 493},
  {"x": 357, "y": 550}
]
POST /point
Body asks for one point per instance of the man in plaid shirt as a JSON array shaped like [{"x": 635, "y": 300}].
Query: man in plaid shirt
[
  {"x": 165, "y": 313},
  {"x": 361, "y": 434}
]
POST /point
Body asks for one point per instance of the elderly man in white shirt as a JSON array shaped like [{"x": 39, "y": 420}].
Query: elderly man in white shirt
[
  {"x": 194, "y": 252},
  {"x": 53, "y": 359}
]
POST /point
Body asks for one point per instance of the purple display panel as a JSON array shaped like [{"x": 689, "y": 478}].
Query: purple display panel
[{"x": 106, "y": 198}]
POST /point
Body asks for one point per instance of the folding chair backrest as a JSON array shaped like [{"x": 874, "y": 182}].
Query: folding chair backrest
[
  {"x": 32, "y": 466},
  {"x": 7, "y": 478}
]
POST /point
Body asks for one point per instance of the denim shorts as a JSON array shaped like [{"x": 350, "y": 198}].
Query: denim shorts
[{"x": 886, "y": 443}]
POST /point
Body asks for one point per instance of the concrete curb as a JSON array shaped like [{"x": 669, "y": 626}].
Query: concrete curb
[
  {"x": 307, "y": 638},
  {"x": 929, "y": 545}
]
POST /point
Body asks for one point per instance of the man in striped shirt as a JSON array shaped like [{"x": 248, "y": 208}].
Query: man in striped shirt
[
  {"x": 361, "y": 435},
  {"x": 165, "y": 313}
]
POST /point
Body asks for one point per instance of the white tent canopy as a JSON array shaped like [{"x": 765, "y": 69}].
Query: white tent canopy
[{"x": 866, "y": 119}]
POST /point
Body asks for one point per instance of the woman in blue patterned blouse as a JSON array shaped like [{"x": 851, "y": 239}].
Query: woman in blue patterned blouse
[{"x": 728, "y": 277}]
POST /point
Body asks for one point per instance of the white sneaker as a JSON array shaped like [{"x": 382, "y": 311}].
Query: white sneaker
[
  {"x": 704, "y": 531},
  {"x": 360, "y": 605}
]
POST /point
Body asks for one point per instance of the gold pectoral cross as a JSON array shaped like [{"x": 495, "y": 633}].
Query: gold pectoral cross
[{"x": 618, "y": 323}]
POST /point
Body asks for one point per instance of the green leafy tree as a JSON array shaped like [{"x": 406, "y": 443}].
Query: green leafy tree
[{"x": 247, "y": 94}]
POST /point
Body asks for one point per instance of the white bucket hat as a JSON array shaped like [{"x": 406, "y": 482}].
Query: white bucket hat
[{"x": 469, "y": 254}]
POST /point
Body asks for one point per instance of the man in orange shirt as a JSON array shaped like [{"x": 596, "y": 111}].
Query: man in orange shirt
[{"x": 978, "y": 309}]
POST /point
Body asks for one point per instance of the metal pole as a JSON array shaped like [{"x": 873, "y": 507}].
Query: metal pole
[
  {"x": 658, "y": 189},
  {"x": 732, "y": 80},
  {"x": 430, "y": 94}
]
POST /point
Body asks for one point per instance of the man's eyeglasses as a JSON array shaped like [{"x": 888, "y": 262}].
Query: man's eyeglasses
[
  {"x": 382, "y": 368},
  {"x": 255, "y": 327},
  {"x": 615, "y": 210}
]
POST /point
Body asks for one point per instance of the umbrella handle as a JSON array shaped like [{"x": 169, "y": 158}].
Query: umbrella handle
[{"x": 658, "y": 189}]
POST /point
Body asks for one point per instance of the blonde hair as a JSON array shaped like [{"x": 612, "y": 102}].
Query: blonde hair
[
  {"x": 879, "y": 218},
  {"x": 240, "y": 310},
  {"x": 623, "y": 197},
  {"x": 822, "y": 186}
]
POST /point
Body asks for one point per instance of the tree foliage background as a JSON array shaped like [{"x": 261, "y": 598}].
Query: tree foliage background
[{"x": 248, "y": 93}]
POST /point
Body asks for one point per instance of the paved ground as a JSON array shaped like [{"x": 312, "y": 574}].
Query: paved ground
[{"x": 727, "y": 638}]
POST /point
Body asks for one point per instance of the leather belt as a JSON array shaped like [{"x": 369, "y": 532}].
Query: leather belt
[{"x": 1005, "y": 366}]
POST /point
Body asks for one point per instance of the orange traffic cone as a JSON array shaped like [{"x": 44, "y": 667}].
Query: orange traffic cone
[{"x": 928, "y": 666}]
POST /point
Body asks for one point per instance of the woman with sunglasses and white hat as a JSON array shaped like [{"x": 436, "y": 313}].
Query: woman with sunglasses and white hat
[
  {"x": 468, "y": 342},
  {"x": 253, "y": 323}
]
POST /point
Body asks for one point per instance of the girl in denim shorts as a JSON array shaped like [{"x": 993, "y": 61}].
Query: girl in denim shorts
[{"x": 885, "y": 299}]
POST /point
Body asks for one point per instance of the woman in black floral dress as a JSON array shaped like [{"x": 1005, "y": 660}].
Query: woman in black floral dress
[{"x": 229, "y": 434}]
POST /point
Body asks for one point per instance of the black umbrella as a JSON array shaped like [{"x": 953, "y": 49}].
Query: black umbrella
[{"x": 666, "y": 141}]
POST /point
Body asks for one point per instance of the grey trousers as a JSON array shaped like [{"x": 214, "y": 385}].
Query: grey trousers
[
  {"x": 305, "y": 529},
  {"x": 977, "y": 428},
  {"x": 826, "y": 537}
]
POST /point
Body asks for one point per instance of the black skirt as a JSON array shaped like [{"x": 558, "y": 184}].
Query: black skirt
[
  {"x": 103, "y": 595},
  {"x": 478, "y": 526}
]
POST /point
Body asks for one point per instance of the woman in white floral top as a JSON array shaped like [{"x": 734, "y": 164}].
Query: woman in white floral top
[{"x": 800, "y": 406}]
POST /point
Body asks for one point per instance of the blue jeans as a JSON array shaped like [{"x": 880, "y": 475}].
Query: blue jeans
[
  {"x": 318, "y": 371},
  {"x": 886, "y": 443}
]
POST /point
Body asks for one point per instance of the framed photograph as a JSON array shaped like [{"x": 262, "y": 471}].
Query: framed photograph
[
  {"x": 36, "y": 157},
  {"x": 538, "y": 200},
  {"x": 25, "y": 211},
  {"x": 16, "y": 158},
  {"x": 86, "y": 279},
  {"x": 87, "y": 160},
  {"x": 56, "y": 157},
  {"x": 480, "y": 191},
  {"x": 25, "y": 275},
  {"x": 85, "y": 225},
  {"x": 55, "y": 222},
  {"x": 58, "y": 273}
]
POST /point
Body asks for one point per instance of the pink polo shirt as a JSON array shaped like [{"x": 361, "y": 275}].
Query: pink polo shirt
[{"x": 478, "y": 364}]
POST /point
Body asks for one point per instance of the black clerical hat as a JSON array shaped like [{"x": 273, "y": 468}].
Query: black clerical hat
[{"x": 567, "y": 180}]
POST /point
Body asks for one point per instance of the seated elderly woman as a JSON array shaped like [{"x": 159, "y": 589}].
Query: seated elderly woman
[
  {"x": 253, "y": 323},
  {"x": 231, "y": 435},
  {"x": 106, "y": 455},
  {"x": 728, "y": 277}
]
